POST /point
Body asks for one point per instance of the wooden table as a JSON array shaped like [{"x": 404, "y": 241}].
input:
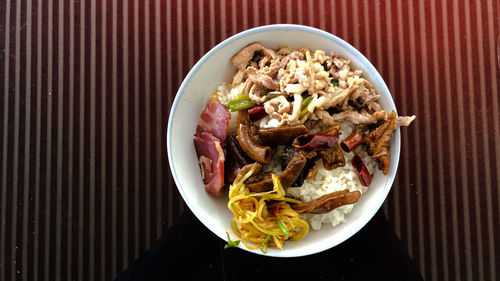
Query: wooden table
[{"x": 86, "y": 88}]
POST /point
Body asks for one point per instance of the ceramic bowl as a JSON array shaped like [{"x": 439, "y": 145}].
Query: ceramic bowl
[{"x": 213, "y": 69}]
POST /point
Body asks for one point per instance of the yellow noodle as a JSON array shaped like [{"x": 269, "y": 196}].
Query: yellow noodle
[
  {"x": 260, "y": 207},
  {"x": 277, "y": 242},
  {"x": 252, "y": 221}
]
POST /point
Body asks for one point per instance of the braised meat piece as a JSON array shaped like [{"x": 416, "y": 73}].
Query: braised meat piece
[
  {"x": 287, "y": 177},
  {"x": 313, "y": 171},
  {"x": 287, "y": 155},
  {"x": 333, "y": 130},
  {"x": 333, "y": 157},
  {"x": 309, "y": 123},
  {"x": 328, "y": 202},
  {"x": 289, "y": 152},
  {"x": 259, "y": 177},
  {"x": 310, "y": 169},
  {"x": 248, "y": 142},
  {"x": 235, "y": 159},
  {"x": 245, "y": 169},
  {"x": 378, "y": 142},
  {"x": 280, "y": 135}
]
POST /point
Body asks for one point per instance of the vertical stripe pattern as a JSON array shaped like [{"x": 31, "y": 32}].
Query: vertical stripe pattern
[{"x": 86, "y": 90}]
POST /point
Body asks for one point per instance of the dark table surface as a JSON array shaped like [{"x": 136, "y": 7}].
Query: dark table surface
[
  {"x": 373, "y": 251},
  {"x": 86, "y": 88}
]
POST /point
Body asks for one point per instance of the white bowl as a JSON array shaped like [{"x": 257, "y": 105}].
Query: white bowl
[{"x": 213, "y": 69}]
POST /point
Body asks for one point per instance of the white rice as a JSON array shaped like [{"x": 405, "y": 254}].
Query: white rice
[
  {"x": 268, "y": 122},
  {"x": 225, "y": 93}
]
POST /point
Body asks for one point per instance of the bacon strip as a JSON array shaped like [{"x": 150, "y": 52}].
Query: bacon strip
[
  {"x": 211, "y": 160},
  {"x": 214, "y": 120},
  {"x": 209, "y": 142}
]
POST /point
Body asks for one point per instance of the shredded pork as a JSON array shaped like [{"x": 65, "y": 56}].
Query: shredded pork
[{"x": 282, "y": 79}]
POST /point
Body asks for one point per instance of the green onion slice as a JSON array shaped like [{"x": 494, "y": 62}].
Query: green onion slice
[
  {"x": 282, "y": 227},
  {"x": 265, "y": 241},
  {"x": 240, "y": 103},
  {"x": 231, "y": 243}
]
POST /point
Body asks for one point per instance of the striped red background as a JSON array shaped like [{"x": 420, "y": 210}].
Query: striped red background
[{"x": 86, "y": 90}]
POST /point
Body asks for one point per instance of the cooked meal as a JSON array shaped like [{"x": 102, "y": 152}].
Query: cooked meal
[{"x": 296, "y": 138}]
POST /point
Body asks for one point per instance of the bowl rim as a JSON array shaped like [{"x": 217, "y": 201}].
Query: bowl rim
[{"x": 288, "y": 27}]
